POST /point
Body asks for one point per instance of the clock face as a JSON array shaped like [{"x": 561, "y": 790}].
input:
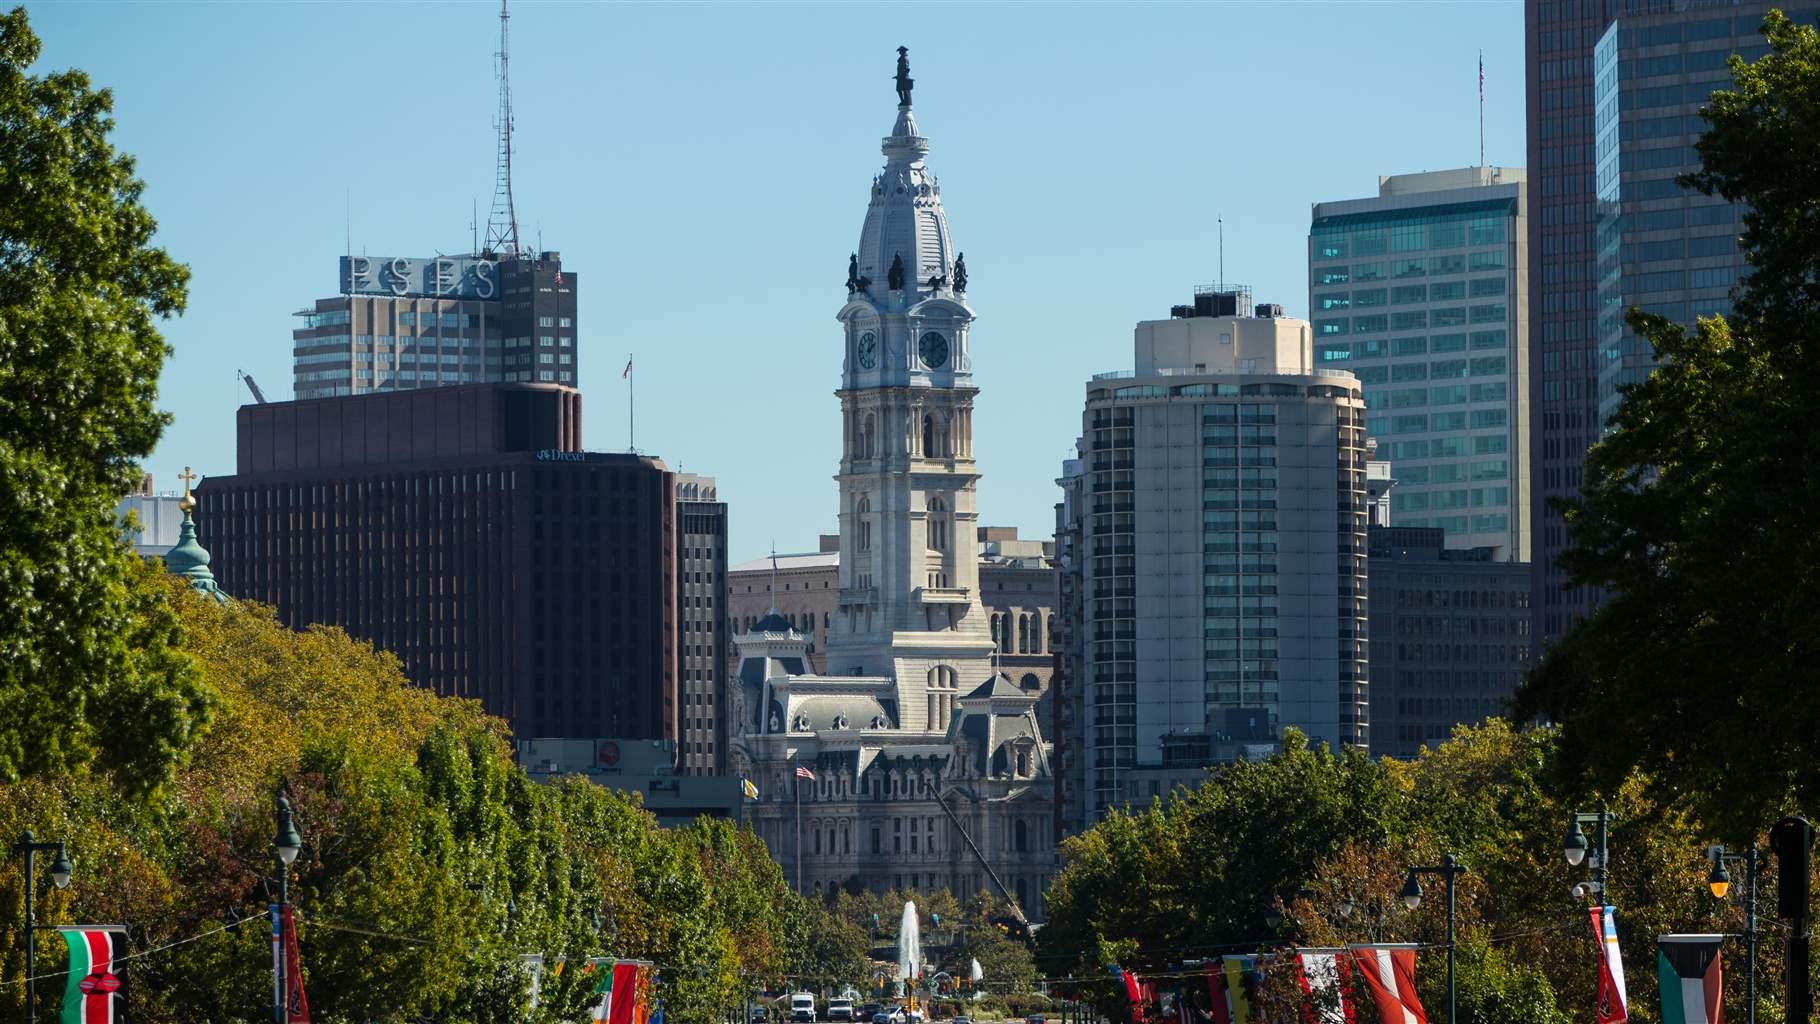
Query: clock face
[
  {"x": 934, "y": 350},
  {"x": 868, "y": 350}
]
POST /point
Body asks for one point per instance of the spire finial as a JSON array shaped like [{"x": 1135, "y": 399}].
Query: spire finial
[
  {"x": 188, "y": 501},
  {"x": 904, "y": 82}
]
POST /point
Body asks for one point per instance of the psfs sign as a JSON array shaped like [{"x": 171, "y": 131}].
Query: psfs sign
[{"x": 441, "y": 277}]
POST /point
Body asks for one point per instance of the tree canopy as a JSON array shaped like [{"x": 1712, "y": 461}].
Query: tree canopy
[
  {"x": 1309, "y": 848},
  {"x": 1693, "y": 515},
  {"x": 90, "y": 671}
]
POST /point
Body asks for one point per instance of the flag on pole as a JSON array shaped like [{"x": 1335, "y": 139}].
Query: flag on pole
[
  {"x": 1610, "y": 1005},
  {"x": 1390, "y": 973},
  {"x": 1687, "y": 968},
  {"x": 96, "y": 992},
  {"x": 1134, "y": 989},
  {"x": 628, "y": 370},
  {"x": 1242, "y": 982},
  {"x": 1325, "y": 976},
  {"x": 603, "y": 987},
  {"x": 1217, "y": 1007},
  {"x": 750, "y": 788},
  {"x": 625, "y": 993},
  {"x": 803, "y": 772},
  {"x": 975, "y": 972}
]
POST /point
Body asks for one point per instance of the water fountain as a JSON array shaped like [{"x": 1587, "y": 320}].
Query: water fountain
[{"x": 909, "y": 949}]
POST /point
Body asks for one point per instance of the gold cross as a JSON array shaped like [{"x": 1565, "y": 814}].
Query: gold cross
[{"x": 187, "y": 477}]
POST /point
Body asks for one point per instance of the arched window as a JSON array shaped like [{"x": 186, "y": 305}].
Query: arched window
[
  {"x": 1023, "y": 634},
  {"x": 864, "y": 525},
  {"x": 937, "y": 523},
  {"x": 1020, "y": 841},
  {"x": 928, "y": 436},
  {"x": 1052, "y": 633},
  {"x": 995, "y": 629},
  {"x": 868, "y": 435},
  {"x": 818, "y": 839},
  {"x": 1036, "y": 633},
  {"x": 1030, "y": 681}
]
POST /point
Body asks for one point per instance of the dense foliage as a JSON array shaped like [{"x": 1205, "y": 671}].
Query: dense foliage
[
  {"x": 1267, "y": 854},
  {"x": 431, "y": 862},
  {"x": 89, "y": 671},
  {"x": 1693, "y": 515}
]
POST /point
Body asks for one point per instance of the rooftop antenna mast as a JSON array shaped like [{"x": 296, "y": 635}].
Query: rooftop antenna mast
[{"x": 502, "y": 222}]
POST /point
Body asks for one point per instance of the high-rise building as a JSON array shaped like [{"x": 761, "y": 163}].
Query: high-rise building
[
  {"x": 914, "y": 761},
  {"x": 701, "y": 574},
  {"x": 1614, "y": 93},
  {"x": 402, "y": 323},
  {"x": 1422, "y": 292},
  {"x": 464, "y": 530},
  {"x": 1220, "y": 509},
  {"x": 1449, "y": 637}
]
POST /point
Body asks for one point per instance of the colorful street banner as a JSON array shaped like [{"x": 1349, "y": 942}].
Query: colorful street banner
[
  {"x": 287, "y": 967},
  {"x": 1687, "y": 968},
  {"x": 1218, "y": 1006},
  {"x": 1325, "y": 975},
  {"x": 1390, "y": 973},
  {"x": 1611, "y": 1005},
  {"x": 1242, "y": 983},
  {"x": 750, "y": 788},
  {"x": 625, "y": 990},
  {"x": 96, "y": 992}
]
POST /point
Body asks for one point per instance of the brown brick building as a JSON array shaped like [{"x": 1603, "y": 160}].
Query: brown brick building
[{"x": 463, "y": 529}]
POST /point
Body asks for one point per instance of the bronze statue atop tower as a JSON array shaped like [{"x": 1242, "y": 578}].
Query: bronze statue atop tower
[{"x": 904, "y": 82}]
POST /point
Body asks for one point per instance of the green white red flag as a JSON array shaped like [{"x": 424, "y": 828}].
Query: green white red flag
[{"x": 96, "y": 993}]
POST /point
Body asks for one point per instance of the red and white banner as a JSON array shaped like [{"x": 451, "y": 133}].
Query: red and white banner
[
  {"x": 1390, "y": 973},
  {"x": 287, "y": 967},
  {"x": 1610, "y": 1004},
  {"x": 1325, "y": 975}
]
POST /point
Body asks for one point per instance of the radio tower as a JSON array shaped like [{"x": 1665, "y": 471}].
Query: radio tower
[{"x": 502, "y": 222}]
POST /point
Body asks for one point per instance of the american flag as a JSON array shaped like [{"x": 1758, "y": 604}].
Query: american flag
[{"x": 803, "y": 772}]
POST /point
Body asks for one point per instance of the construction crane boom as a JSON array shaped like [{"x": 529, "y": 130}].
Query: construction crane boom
[
  {"x": 1016, "y": 911},
  {"x": 252, "y": 385}
]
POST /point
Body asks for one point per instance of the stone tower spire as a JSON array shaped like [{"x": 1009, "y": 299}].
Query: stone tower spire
[{"x": 909, "y": 572}]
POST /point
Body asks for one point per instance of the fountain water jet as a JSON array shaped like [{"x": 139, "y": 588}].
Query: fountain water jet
[{"x": 909, "y": 948}]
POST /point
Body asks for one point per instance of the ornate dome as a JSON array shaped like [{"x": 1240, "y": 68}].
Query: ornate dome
[{"x": 905, "y": 217}]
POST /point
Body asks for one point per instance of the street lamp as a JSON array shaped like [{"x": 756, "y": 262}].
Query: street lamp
[
  {"x": 287, "y": 843},
  {"x": 1720, "y": 882},
  {"x": 1578, "y": 850},
  {"x": 60, "y": 876},
  {"x": 1448, "y": 869}
]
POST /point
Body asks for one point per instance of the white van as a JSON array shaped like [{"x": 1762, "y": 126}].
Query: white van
[
  {"x": 840, "y": 1009},
  {"x": 802, "y": 1008}
]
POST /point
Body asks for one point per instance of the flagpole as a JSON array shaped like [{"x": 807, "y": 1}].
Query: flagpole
[
  {"x": 632, "y": 403},
  {"x": 1481, "y": 108},
  {"x": 797, "y": 788}
]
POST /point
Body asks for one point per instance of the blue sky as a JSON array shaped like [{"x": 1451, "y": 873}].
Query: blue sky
[{"x": 705, "y": 169}]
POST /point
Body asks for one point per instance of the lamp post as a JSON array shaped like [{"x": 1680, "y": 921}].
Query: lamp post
[
  {"x": 1576, "y": 849},
  {"x": 1448, "y": 869},
  {"x": 287, "y": 843},
  {"x": 1720, "y": 882},
  {"x": 60, "y": 875}
]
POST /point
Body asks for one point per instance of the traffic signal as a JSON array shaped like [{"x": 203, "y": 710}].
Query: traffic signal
[{"x": 1792, "y": 839}]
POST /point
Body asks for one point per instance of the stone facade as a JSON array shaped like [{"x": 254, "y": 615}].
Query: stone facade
[{"x": 912, "y": 760}]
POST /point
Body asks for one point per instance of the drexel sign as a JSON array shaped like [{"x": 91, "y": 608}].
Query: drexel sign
[{"x": 441, "y": 277}]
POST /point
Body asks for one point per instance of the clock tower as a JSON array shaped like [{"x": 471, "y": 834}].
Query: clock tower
[{"x": 909, "y": 604}]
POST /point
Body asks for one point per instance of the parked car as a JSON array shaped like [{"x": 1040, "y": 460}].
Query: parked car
[
  {"x": 962, "y": 1020},
  {"x": 758, "y": 1015},
  {"x": 1035, "y": 1019}
]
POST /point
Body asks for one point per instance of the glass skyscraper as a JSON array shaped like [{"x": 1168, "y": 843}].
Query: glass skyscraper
[
  {"x": 1614, "y": 93},
  {"x": 1420, "y": 292}
]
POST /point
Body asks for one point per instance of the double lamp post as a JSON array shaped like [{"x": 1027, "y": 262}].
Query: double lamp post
[{"x": 29, "y": 846}]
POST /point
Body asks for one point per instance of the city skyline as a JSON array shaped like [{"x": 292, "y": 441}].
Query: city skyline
[{"x": 1114, "y": 153}]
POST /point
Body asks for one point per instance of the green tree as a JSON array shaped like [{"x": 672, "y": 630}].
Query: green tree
[
  {"x": 91, "y": 670},
  {"x": 1692, "y": 514}
]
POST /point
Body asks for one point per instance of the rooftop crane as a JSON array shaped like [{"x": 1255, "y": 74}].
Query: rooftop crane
[{"x": 252, "y": 385}]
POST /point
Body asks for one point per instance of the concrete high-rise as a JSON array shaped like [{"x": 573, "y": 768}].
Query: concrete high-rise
[
  {"x": 701, "y": 610},
  {"x": 1614, "y": 93},
  {"x": 464, "y": 530},
  {"x": 402, "y": 323},
  {"x": 1422, "y": 292},
  {"x": 1219, "y": 553},
  {"x": 1449, "y": 637}
]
